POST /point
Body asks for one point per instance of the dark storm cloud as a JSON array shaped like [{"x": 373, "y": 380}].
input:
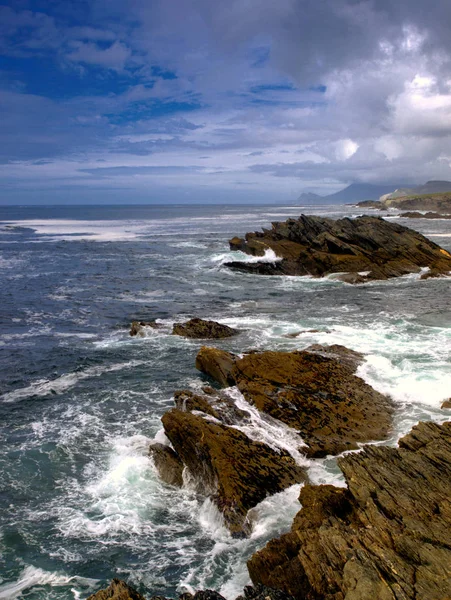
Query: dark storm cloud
[{"x": 339, "y": 90}]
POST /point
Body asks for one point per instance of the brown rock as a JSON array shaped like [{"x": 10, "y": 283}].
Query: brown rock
[
  {"x": 320, "y": 246},
  {"x": 446, "y": 403},
  {"x": 432, "y": 273},
  {"x": 228, "y": 466},
  {"x": 187, "y": 401},
  {"x": 217, "y": 364},
  {"x": 168, "y": 464},
  {"x": 313, "y": 392},
  {"x": 118, "y": 590},
  {"x": 385, "y": 537},
  {"x": 344, "y": 355},
  {"x": 201, "y": 329}
]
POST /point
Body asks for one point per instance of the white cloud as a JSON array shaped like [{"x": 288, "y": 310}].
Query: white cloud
[{"x": 115, "y": 57}]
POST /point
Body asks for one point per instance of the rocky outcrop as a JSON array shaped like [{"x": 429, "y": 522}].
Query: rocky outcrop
[
  {"x": 316, "y": 393},
  {"x": 386, "y": 536},
  {"x": 168, "y": 464},
  {"x": 194, "y": 328},
  {"x": 117, "y": 590},
  {"x": 368, "y": 247},
  {"x": 217, "y": 363},
  {"x": 225, "y": 464},
  {"x": 201, "y": 329}
]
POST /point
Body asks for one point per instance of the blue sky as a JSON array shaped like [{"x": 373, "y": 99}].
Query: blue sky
[{"x": 196, "y": 101}]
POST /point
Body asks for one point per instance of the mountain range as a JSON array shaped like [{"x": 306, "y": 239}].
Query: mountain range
[{"x": 357, "y": 192}]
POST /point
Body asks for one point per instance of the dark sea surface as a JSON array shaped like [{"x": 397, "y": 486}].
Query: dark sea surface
[{"x": 80, "y": 400}]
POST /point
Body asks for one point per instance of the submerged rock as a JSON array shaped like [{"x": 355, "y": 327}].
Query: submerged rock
[
  {"x": 428, "y": 215},
  {"x": 201, "y": 329},
  {"x": 369, "y": 248},
  {"x": 117, "y": 590},
  {"x": 386, "y": 536},
  {"x": 315, "y": 392},
  {"x": 138, "y": 327}
]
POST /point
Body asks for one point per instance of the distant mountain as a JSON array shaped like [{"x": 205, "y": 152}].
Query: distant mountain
[
  {"x": 309, "y": 198},
  {"x": 433, "y": 187},
  {"x": 356, "y": 192}
]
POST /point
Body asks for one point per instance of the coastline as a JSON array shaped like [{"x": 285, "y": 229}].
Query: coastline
[{"x": 265, "y": 323}]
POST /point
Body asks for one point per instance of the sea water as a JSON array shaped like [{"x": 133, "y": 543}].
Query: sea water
[{"x": 81, "y": 400}]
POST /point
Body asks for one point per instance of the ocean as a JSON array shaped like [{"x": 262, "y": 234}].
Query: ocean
[{"x": 81, "y": 400}]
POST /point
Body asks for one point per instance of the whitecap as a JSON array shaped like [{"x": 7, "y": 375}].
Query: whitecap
[
  {"x": 45, "y": 387},
  {"x": 32, "y": 576}
]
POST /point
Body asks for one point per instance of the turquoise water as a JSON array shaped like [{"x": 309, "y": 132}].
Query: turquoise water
[{"x": 81, "y": 400}]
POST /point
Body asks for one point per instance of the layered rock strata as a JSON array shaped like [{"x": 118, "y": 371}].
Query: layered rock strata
[
  {"x": 315, "y": 392},
  {"x": 313, "y": 397},
  {"x": 385, "y": 536},
  {"x": 368, "y": 248},
  {"x": 225, "y": 464}
]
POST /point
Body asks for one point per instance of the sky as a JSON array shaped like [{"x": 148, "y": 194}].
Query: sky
[{"x": 110, "y": 101}]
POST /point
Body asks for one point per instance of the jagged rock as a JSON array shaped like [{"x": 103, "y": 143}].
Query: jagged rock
[
  {"x": 386, "y": 536},
  {"x": 369, "y": 248},
  {"x": 117, "y": 590},
  {"x": 168, "y": 464},
  {"x": 236, "y": 472},
  {"x": 137, "y": 327},
  {"x": 201, "y": 329},
  {"x": 446, "y": 403},
  {"x": 216, "y": 363},
  {"x": 217, "y": 405},
  {"x": 187, "y": 401},
  {"x": 316, "y": 393}
]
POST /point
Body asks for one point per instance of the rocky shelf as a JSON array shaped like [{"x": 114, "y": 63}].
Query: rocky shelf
[
  {"x": 357, "y": 250},
  {"x": 386, "y": 536},
  {"x": 313, "y": 397}
]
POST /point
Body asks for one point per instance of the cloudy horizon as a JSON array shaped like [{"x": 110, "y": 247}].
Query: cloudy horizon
[{"x": 197, "y": 101}]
